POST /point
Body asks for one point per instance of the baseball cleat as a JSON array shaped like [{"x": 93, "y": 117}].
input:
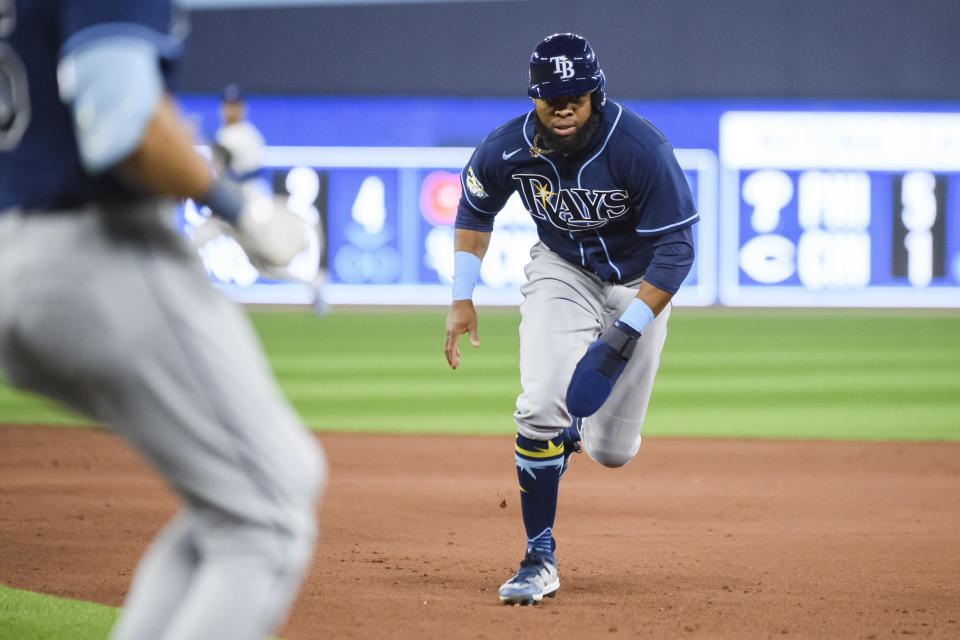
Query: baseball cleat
[{"x": 536, "y": 579}]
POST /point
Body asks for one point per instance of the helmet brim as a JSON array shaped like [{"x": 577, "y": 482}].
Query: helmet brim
[{"x": 572, "y": 87}]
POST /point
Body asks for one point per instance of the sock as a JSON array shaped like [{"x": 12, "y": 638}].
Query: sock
[
  {"x": 538, "y": 468},
  {"x": 571, "y": 435}
]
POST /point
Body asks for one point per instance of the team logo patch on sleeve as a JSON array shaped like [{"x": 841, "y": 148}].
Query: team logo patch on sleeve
[{"x": 473, "y": 185}]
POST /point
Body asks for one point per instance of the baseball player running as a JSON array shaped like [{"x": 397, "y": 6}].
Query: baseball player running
[
  {"x": 613, "y": 212},
  {"x": 104, "y": 307}
]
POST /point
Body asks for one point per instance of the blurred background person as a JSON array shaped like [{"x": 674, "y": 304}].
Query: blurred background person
[{"x": 238, "y": 143}]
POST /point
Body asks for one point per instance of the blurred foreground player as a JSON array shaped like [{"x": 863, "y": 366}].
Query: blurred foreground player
[
  {"x": 104, "y": 308},
  {"x": 613, "y": 212}
]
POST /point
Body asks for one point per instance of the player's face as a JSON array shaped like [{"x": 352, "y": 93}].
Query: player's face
[
  {"x": 232, "y": 112},
  {"x": 564, "y": 115}
]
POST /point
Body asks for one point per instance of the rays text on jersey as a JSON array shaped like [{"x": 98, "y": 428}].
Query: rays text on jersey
[{"x": 571, "y": 209}]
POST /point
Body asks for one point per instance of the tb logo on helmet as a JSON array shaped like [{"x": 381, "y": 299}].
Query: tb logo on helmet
[{"x": 563, "y": 66}]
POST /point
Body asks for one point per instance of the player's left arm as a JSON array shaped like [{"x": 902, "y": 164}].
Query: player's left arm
[
  {"x": 598, "y": 370},
  {"x": 673, "y": 255},
  {"x": 666, "y": 219},
  {"x": 667, "y": 198}
]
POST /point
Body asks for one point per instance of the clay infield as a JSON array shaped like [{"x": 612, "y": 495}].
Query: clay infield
[{"x": 694, "y": 538}]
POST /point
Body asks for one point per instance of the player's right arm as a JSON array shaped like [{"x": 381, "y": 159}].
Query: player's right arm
[
  {"x": 165, "y": 160},
  {"x": 469, "y": 247},
  {"x": 110, "y": 75},
  {"x": 482, "y": 196},
  {"x": 125, "y": 121}
]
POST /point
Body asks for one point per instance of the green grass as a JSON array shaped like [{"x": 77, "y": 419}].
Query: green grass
[
  {"x": 25, "y": 615},
  {"x": 725, "y": 373},
  {"x": 22, "y": 408},
  {"x": 31, "y": 616},
  {"x": 845, "y": 374},
  {"x": 810, "y": 374}
]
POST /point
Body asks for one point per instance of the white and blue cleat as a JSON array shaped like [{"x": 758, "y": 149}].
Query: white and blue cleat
[{"x": 537, "y": 579}]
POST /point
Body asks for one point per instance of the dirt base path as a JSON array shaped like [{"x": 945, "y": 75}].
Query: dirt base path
[{"x": 694, "y": 538}]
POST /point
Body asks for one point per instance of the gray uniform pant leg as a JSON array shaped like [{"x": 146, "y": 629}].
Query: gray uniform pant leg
[
  {"x": 113, "y": 315},
  {"x": 565, "y": 309}
]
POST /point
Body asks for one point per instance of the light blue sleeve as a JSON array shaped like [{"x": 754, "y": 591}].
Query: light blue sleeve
[{"x": 113, "y": 85}]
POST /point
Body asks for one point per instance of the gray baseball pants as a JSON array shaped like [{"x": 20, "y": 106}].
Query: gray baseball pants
[
  {"x": 565, "y": 309},
  {"x": 110, "y": 313}
]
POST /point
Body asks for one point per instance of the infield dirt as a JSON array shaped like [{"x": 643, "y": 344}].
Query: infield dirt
[{"x": 694, "y": 538}]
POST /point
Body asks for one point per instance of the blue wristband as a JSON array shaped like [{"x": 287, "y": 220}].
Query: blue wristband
[
  {"x": 466, "y": 272},
  {"x": 637, "y": 316},
  {"x": 224, "y": 200}
]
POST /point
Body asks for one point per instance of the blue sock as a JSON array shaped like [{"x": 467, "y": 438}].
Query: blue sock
[
  {"x": 571, "y": 435},
  {"x": 538, "y": 469}
]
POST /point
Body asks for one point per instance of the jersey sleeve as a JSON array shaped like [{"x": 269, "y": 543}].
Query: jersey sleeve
[
  {"x": 82, "y": 21},
  {"x": 663, "y": 202},
  {"x": 673, "y": 254},
  {"x": 483, "y": 192},
  {"x": 244, "y": 145}
]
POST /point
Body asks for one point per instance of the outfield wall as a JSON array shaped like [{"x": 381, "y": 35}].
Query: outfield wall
[
  {"x": 802, "y": 203},
  {"x": 649, "y": 49}
]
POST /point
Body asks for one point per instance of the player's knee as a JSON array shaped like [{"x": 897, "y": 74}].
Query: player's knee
[
  {"x": 297, "y": 479},
  {"x": 300, "y": 467},
  {"x": 307, "y": 488},
  {"x": 611, "y": 452},
  {"x": 314, "y": 471},
  {"x": 610, "y": 457}
]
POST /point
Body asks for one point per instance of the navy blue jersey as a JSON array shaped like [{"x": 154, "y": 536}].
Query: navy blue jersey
[
  {"x": 39, "y": 162},
  {"x": 602, "y": 208}
]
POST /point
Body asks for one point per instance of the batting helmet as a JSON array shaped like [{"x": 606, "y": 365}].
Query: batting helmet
[
  {"x": 564, "y": 64},
  {"x": 232, "y": 93}
]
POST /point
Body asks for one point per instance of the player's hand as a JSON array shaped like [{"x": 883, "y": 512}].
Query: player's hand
[
  {"x": 461, "y": 319},
  {"x": 211, "y": 228},
  {"x": 269, "y": 233},
  {"x": 598, "y": 370}
]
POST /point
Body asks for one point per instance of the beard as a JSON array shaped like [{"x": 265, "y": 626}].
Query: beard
[{"x": 568, "y": 144}]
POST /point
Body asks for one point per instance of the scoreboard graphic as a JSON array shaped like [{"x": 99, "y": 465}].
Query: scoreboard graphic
[
  {"x": 388, "y": 214},
  {"x": 839, "y": 209},
  {"x": 850, "y": 205}
]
